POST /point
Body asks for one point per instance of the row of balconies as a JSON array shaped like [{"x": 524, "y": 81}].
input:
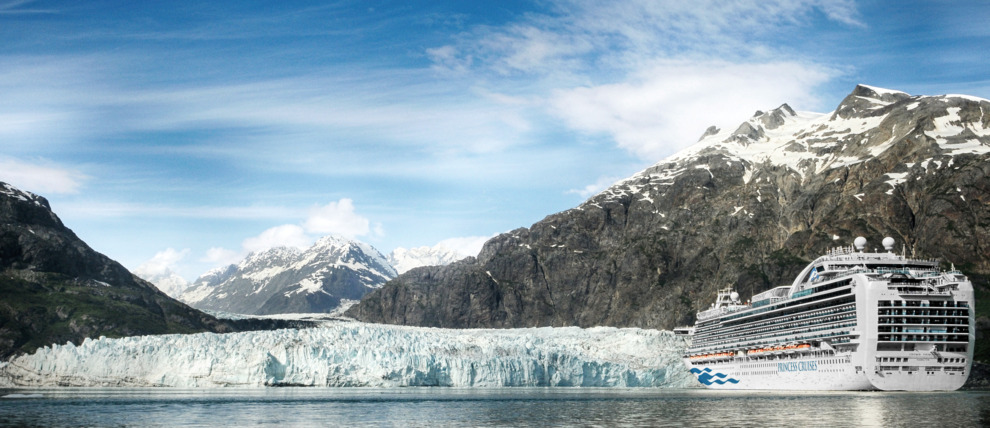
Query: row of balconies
[
  {"x": 924, "y": 321},
  {"x": 926, "y": 312},
  {"x": 922, "y": 304},
  {"x": 735, "y": 334},
  {"x": 771, "y": 323},
  {"x": 922, "y": 338},
  {"x": 771, "y": 340}
]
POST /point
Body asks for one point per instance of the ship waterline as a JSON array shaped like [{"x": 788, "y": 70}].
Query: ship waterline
[{"x": 852, "y": 320}]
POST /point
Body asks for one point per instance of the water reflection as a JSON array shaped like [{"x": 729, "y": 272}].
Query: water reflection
[{"x": 489, "y": 407}]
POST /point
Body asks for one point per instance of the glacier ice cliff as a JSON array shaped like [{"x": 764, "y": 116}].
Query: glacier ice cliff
[{"x": 342, "y": 354}]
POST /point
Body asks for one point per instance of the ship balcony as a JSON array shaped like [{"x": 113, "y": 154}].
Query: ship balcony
[{"x": 924, "y": 338}]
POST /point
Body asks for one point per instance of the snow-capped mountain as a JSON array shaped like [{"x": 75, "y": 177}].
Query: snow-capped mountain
[
  {"x": 403, "y": 259},
  {"x": 747, "y": 206},
  {"x": 357, "y": 354},
  {"x": 867, "y": 124},
  {"x": 166, "y": 280},
  {"x": 334, "y": 270}
]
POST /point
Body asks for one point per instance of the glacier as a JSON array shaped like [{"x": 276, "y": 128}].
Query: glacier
[{"x": 354, "y": 354}]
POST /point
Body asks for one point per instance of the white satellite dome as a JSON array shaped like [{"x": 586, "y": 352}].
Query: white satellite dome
[
  {"x": 860, "y": 243},
  {"x": 734, "y": 296},
  {"x": 888, "y": 243}
]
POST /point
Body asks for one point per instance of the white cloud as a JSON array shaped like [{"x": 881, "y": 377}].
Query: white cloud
[
  {"x": 668, "y": 106},
  {"x": 594, "y": 35},
  {"x": 652, "y": 75},
  {"x": 593, "y": 189},
  {"x": 161, "y": 263},
  {"x": 40, "y": 178},
  {"x": 288, "y": 235},
  {"x": 15, "y": 7},
  {"x": 337, "y": 218},
  {"x": 219, "y": 256}
]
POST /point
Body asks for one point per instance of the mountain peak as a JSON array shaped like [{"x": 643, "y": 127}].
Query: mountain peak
[
  {"x": 333, "y": 241},
  {"x": 19, "y": 206},
  {"x": 274, "y": 253},
  {"x": 13, "y": 192},
  {"x": 868, "y": 101},
  {"x": 332, "y": 272},
  {"x": 775, "y": 118}
]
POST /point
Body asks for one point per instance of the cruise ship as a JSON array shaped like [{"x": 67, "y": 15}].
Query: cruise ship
[{"x": 852, "y": 320}]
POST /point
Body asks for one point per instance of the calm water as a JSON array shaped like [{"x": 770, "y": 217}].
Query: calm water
[{"x": 287, "y": 407}]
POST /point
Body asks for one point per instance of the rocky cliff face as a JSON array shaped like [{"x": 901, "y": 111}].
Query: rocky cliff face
[
  {"x": 747, "y": 207},
  {"x": 332, "y": 272},
  {"x": 57, "y": 289}
]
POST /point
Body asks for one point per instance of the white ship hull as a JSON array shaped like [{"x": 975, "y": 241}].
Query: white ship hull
[
  {"x": 850, "y": 321},
  {"x": 821, "y": 374}
]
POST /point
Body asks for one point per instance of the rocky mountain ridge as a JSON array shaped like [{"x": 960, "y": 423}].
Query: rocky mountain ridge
[
  {"x": 334, "y": 271},
  {"x": 57, "y": 289},
  {"x": 747, "y": 207}
]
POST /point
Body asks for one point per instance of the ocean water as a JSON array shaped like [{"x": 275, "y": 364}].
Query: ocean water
[{"x": 288, "y": 407}]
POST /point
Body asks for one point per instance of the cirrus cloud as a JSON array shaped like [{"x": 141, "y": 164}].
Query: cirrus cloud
[{"x": 668, "y": 106}]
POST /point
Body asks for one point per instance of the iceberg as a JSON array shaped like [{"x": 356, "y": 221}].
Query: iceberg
[{"x": 353, "y": 354}]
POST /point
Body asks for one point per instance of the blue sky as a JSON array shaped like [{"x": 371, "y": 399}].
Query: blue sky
[{"x": 190, "y": 133}]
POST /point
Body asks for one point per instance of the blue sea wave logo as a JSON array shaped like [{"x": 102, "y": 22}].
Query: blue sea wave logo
[{"x": 707, "y": 377}]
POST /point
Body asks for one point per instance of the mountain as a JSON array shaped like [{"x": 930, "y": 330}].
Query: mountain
[
  {"x": 404, "y": 260},
  {"x": 166, "y": 280},
  {"x": 746, "y": 207},
  {"x": 56, "y": 289},
  {"x": 334, "y": 271}
]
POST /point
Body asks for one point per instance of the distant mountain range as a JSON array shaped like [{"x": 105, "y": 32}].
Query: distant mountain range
[
  {"x": 205, "y": 293},
  {"x": 334, "y": 271},
  {"x": 746, "y": 207},
  {"x": 404, "y": 260}
]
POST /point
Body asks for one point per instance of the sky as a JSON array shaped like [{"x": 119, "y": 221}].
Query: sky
[{"x": 186, "y": 134}]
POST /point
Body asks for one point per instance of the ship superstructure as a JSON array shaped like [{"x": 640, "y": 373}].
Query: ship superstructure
[{"x": 852, "y": 320}]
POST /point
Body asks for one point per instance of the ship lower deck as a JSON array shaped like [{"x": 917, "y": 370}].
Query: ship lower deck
[{"x": 823, "y": 373}]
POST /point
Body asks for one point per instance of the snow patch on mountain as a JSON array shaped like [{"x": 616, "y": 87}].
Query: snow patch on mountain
[
  {"x": 14, "y": 192},
  {"x": 342, "y": 354},
  {"x": 403, "y": 259}
]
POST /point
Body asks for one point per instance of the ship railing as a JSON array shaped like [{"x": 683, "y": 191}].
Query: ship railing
[
  {"x": 716, "y": 312},
  {"x": 925, "y": 292}
]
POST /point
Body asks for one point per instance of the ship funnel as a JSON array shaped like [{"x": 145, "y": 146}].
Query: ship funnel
[
  {"x": 888, "y": 244},
  {"x": 860, "y": 243}
]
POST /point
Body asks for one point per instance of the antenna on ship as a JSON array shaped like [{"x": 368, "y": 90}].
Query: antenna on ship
[
  {"x": 888, "y": 244},
  {"x": 860, "y": 243}
]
